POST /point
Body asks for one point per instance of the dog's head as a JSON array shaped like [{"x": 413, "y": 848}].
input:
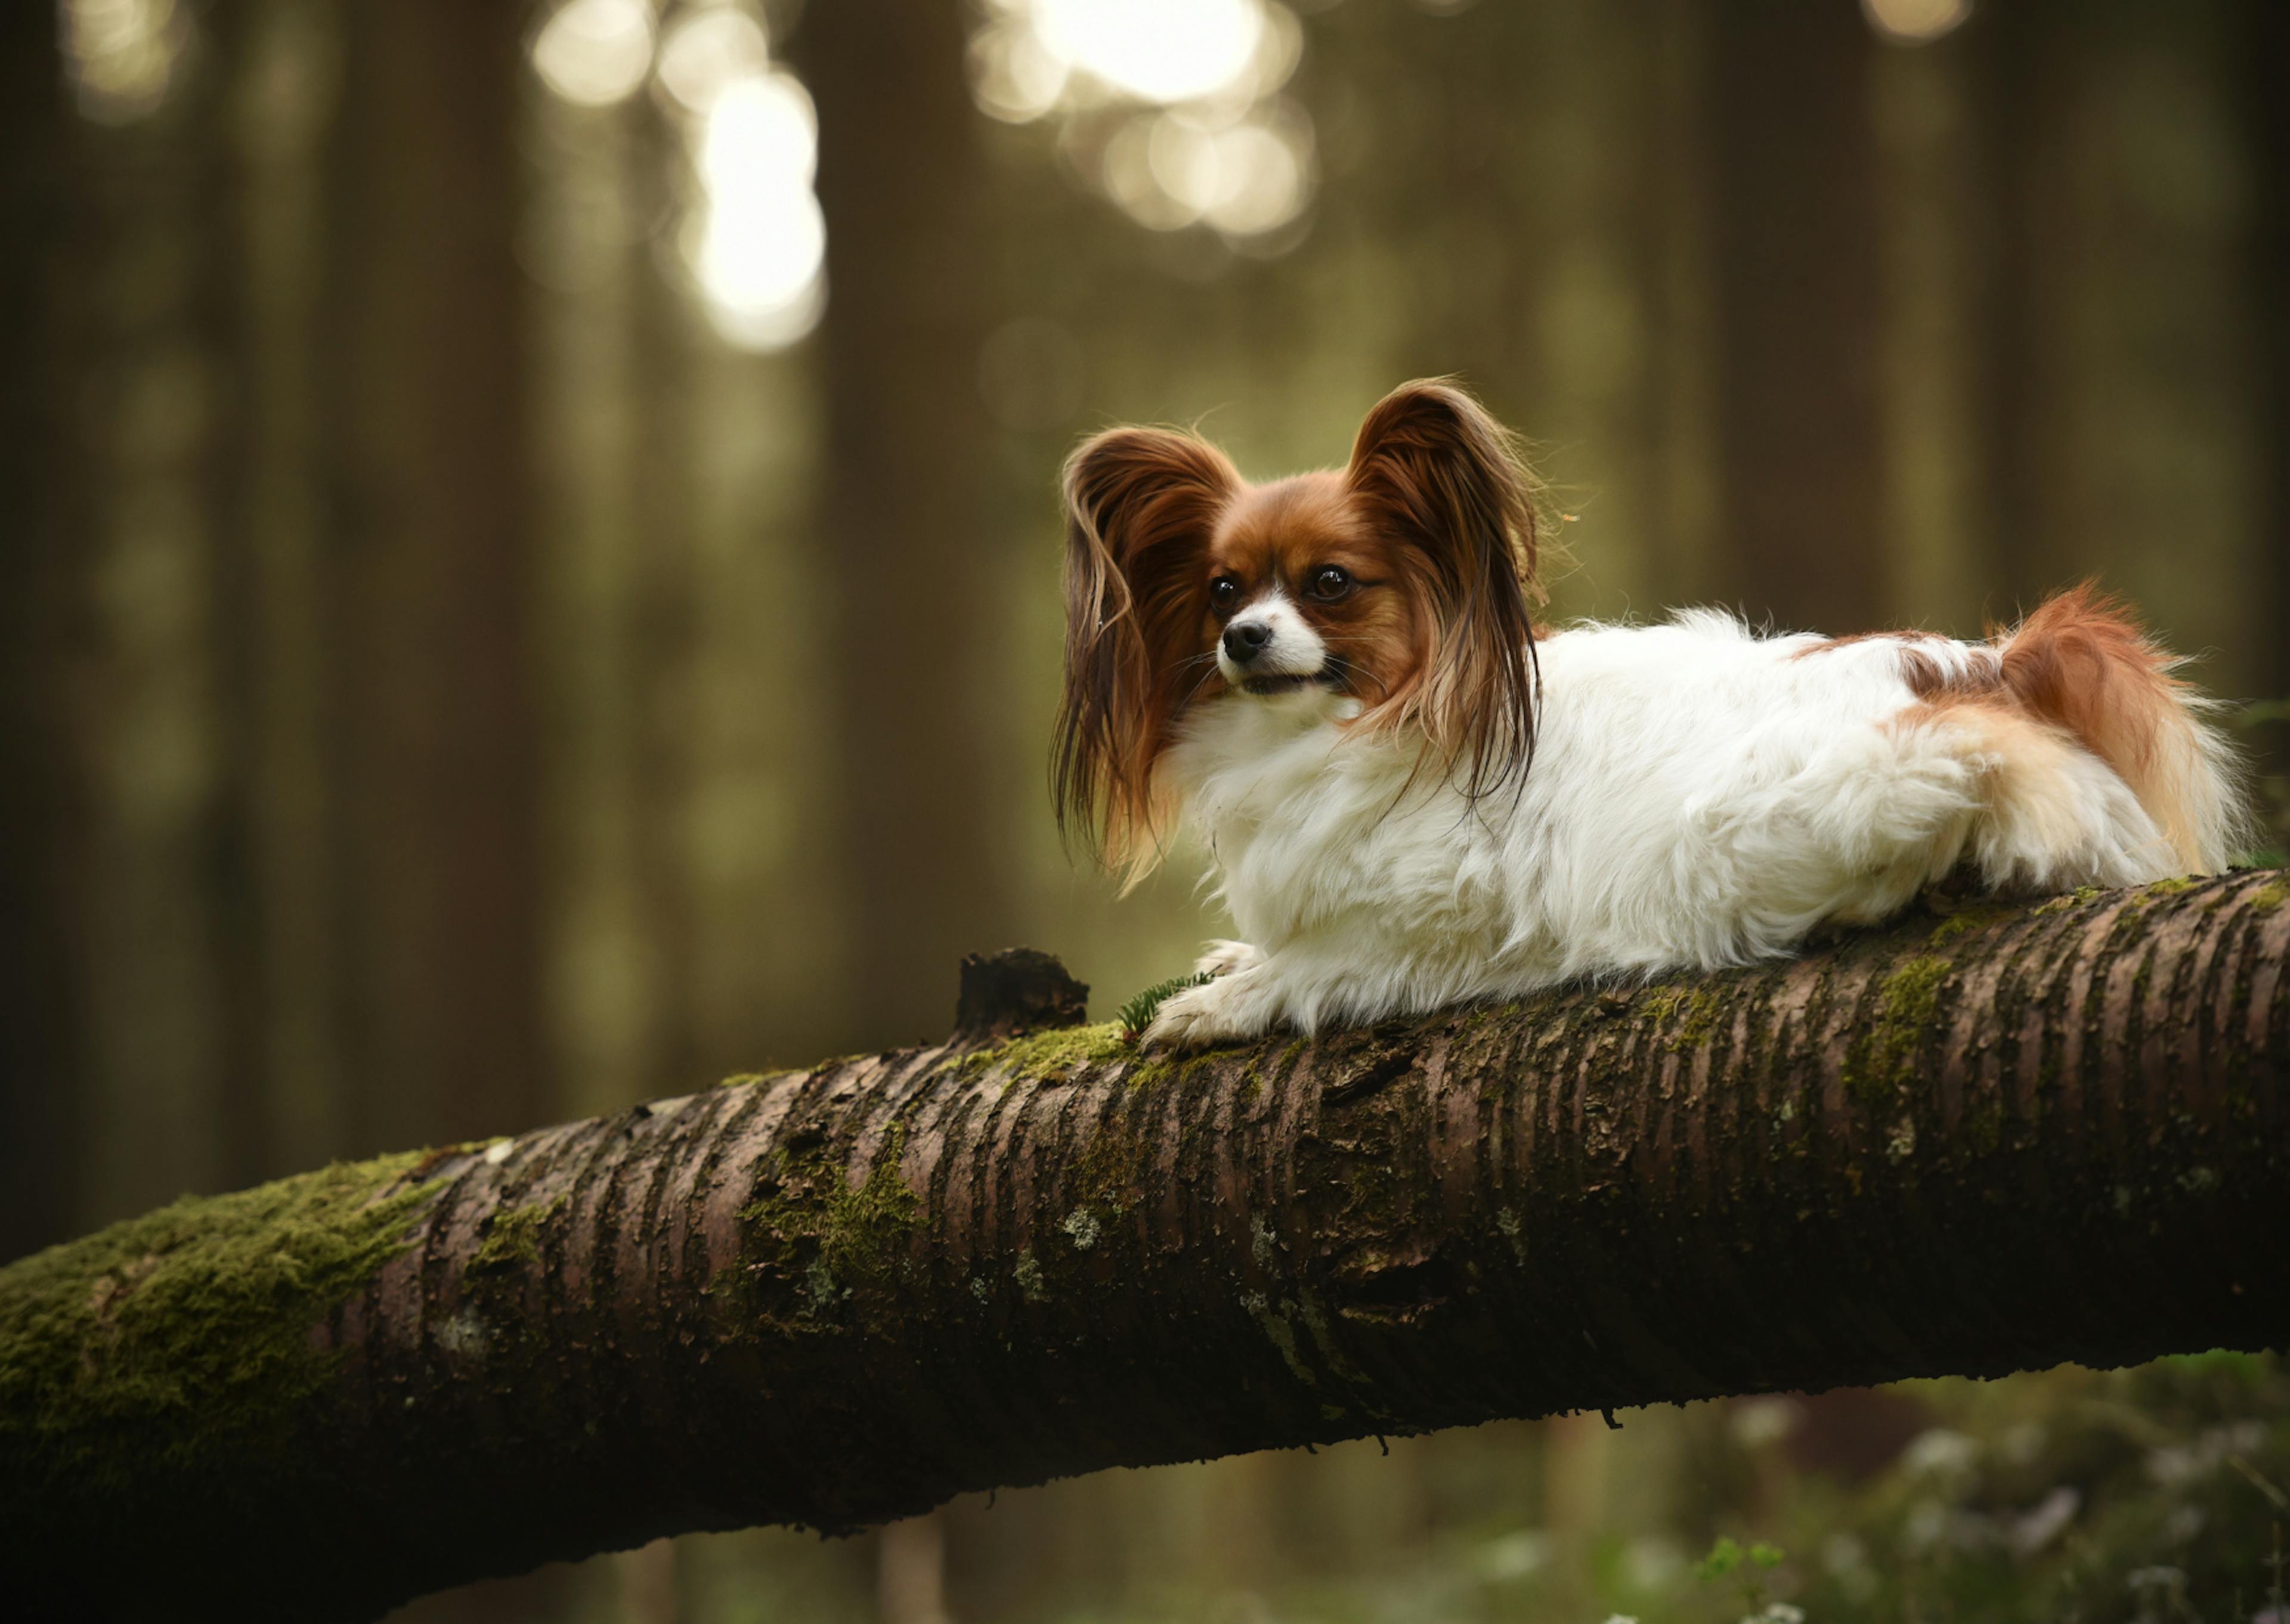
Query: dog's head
[{"x": 1402, "y": 581}]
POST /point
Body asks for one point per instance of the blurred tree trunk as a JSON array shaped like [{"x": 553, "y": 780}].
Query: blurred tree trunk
[
  {"x": 39, "y": 1062},
  {"x": 2016, "y": 98},
  {"x": 2266, "y": 25},
  {"x": 1942, "y": 554},
  {"x": 663, "y": 617},
  {"x": 154, "y": 421},
  {"x": 225, "y": 321},
  {"x": 2128, "y": 383},
  {"x": 612, "y": 587},
  {"x": 433, "y": 715},
  {"x": 1799, "y": 292},
  {"x": 1685, "y": 458},
  {"x": 2007, "y": 1138},
  {"x": 276, "y": 62},
  {"x": 911, "y": 575}
]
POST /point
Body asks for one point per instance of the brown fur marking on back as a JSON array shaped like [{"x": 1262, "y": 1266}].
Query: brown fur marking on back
[
  {"x": 2082, "y": 665},
  {"x": 1927, "y": 677},
  {"x": 2082, "y": 662}
]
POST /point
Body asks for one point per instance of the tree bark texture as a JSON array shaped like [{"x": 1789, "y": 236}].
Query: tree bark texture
[{"x": 1978, "y": 1141}]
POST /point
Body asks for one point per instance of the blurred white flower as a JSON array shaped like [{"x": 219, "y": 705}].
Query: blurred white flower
[
  {"x": 2038, "y": 1527},
  {"x": 1651, "y": 1562},
  {"x": 1757, "y": 1422},
  {"x": 1939, "y": 1452},
  {"x": 1512, "y": 1556},
  {"x": 1925, "y": 1524}
]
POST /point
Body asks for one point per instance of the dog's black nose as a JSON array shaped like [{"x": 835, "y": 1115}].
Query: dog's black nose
[{"x": 1244, "y": 640}]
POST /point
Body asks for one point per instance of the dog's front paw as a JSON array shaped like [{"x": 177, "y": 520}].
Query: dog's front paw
[
  {"x": 1225, "y": 958},
  {"x": 1200, "y": 1017}
]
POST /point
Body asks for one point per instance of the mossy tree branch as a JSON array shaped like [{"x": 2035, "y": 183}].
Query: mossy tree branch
[{"x": 1970, "y": 1144}]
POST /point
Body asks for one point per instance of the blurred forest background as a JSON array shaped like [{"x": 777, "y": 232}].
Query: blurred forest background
[{"x": 530, "y": 583}]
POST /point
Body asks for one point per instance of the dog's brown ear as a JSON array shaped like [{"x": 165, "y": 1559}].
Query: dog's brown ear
[
  {"x": 1140, "y": 506},
  {"x": 1446, "y": 479}
]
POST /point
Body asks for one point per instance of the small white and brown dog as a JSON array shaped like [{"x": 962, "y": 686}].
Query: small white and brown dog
[{"x": 1411, "y": 795}]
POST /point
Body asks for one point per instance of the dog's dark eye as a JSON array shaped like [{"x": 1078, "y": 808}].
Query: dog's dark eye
[
  {"x": 1330, "y": 583},
  {"x": 1224, "y": 592}
]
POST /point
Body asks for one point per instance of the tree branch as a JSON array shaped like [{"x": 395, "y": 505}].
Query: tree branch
[{"x": 1970, "y": 1144}]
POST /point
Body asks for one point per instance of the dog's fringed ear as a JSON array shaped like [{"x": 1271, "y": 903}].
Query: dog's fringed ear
[
  {"x": 1140, "y": 506},
  {"x": 1448, "y": 480}
]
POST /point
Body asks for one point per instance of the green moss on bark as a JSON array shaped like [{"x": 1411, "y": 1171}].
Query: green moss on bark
[
  {"x": 1107, "y": 1164},
  {"x": 193, "y": 1323},
  {"x": 744, "y": 1078},
  {"x": 1883, "y": 1056},
  {"x": 513, "y": 1236},
  {"x": 1694, "y": 1009},
  {"x": 1049, "y": 1056},
  {"x": 811, "y": 1226},
  {"x": 1975, "y": 918}
]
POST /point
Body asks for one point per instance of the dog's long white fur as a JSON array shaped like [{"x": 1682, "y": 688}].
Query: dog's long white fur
[{"x": 1700, "y": 796}]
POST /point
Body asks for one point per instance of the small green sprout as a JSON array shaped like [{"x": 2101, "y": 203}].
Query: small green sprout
[
  {"x": 1727, "y": 1557},
  {"x": 1137, "y": 1014}
]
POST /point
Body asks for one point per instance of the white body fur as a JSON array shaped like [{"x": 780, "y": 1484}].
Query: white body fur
[{"x": 1700, "y": 796}]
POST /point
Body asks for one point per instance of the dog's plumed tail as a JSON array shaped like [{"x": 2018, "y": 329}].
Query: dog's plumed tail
[{"x": 2083, "y": 663}]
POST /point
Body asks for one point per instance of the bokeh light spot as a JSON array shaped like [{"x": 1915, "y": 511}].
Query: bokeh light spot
[
  {"x": 758, "y": 243},
  {"x": 1264, "y": 180},
  {"x": 1916, "y": 21},
  {"x": 706, "y": 52},
  {"x": 595, "y": 52},
  {"x": 762, "y": 131},
  {"x": 121, "y": 54},
  {"x": 1160, "y": 51},
  {"x": 1013, "y": 75},
  {"x": 1214, "y": 143},
  {"x": 1130, "y": 181}
]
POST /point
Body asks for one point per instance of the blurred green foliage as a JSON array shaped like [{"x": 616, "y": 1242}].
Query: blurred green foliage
[{"x": 2147, "y": 1494}]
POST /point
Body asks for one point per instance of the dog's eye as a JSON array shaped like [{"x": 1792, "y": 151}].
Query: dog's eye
[
  {"x": 1224, "y": 592},
  {"x": 1330, "y": 583}
]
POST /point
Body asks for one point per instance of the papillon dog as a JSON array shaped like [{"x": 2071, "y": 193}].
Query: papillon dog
[{"x": 1413, "y": 795}]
